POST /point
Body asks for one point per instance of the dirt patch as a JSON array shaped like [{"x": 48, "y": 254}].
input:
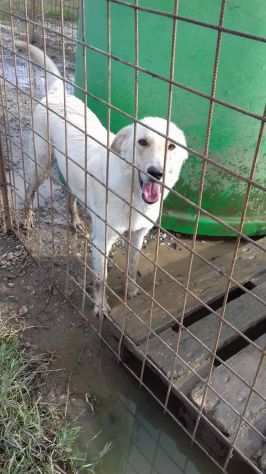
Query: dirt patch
[
  {"x": 84, "y": 376},
  {"x": 49, "y": 325},
  {"x": 28, "y": 294}
]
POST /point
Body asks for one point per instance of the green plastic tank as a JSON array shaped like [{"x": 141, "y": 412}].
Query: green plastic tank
[{"x": 241, "y": 82}]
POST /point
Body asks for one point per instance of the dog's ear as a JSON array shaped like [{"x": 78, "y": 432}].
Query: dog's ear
[{"x": 120, "y": 139}]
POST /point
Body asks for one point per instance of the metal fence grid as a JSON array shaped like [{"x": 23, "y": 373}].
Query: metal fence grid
[{"x": 55, "y": 24}]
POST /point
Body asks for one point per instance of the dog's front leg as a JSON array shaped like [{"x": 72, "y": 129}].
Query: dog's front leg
[
  {"x": 39, "y": 171},
  {"x": 76, "y": 221},
  {"x": 37, "y": 178},
  {"x": 100, "y": 251},
  {"x": 136, "y": 243}
]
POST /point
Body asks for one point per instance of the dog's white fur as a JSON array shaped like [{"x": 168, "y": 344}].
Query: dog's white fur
[{"x": 71, "y": 142}]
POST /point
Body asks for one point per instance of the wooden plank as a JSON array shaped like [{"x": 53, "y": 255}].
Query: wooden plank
[
  {"x": 206, "y": 283},
  {"x": 252, "y": 442},
  {"x": 243, "y": 313},
  {"x": 234, "y": 390}
]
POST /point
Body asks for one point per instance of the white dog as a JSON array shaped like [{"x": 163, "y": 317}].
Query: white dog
[{"x": 75, "y": 153}]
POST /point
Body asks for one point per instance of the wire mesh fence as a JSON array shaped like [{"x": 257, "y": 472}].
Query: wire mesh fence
[{"x": 198, "y": 322}]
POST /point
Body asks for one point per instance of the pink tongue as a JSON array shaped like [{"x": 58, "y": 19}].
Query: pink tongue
[{"x": 151, "y": 191}]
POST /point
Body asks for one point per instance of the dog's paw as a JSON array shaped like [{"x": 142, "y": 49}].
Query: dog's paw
[
  {"x": 28, "y": 221},
  {"x": 79, "y": 227},
  {"x": 102, "y": 310},
  {"x": 132, "y": 291}
]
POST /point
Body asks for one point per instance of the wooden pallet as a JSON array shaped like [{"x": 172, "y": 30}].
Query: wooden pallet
[
  {"x": 239, "y": 399},
  {"x": 243, "y": 314},
  {"x": 207, "y": 283}
]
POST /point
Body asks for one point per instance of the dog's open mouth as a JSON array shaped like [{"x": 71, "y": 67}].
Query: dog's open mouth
[{"x": 151, "y": 190}]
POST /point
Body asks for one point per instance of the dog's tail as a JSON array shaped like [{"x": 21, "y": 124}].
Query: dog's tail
[{"x": 54, "y": 78}]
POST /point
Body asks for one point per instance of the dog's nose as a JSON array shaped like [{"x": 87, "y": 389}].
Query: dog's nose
[{"x": 155, "y": 172}]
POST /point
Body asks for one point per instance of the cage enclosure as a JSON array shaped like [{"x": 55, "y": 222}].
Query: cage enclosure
[{"x": 217, "y": 97}]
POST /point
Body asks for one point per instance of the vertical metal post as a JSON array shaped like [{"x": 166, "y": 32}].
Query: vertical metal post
[
  {"x": 32, "y": 16},
  {"x": 7, "y": 225}
]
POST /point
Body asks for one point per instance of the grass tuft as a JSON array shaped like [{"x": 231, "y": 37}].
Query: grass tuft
[
  {"x": 35, "y": 438},
  {"x": 69, "y": 14}
]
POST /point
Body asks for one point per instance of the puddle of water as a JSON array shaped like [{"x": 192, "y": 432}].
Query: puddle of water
[{"x": 144, "y": 440}]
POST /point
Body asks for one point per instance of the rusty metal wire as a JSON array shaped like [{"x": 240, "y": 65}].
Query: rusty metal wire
[{"x": 169, "y": 113}]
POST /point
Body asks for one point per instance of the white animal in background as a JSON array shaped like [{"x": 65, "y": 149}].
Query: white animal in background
[{"x": 73, "y": 153}]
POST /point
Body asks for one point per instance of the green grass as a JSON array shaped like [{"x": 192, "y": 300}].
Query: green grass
[
  {"x": 34, "y": 436},
  {"x": 69, "y": 14}
]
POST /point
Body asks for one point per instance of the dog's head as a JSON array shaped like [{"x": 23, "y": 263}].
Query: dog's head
[{"x": 151, "y": 153}]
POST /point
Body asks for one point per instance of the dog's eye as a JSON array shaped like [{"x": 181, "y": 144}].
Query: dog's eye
[
  {"x": 143, "y": 142},
  {"x": 171, "y": 146}
]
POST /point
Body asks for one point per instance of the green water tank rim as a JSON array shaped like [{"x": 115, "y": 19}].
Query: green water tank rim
[{"x": 184, "y": 223}]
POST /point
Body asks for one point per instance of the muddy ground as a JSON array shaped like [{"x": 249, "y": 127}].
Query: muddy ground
[{"x": 84, "y": 376}]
